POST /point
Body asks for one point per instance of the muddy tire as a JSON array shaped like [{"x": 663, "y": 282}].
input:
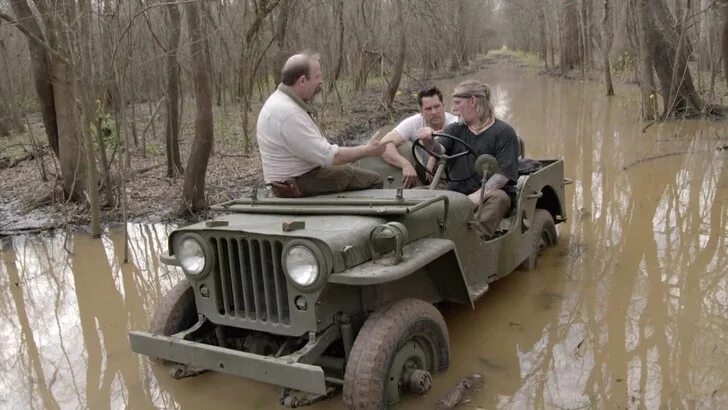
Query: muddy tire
[
  {"x": 541, "y": 236},
  {"x": 176, "y": 313},
  {"x": 403, "y": 343}
]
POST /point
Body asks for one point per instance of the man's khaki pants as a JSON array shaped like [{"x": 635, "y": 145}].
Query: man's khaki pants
[
  {"x": 496, "y": 205},
  {"x": 337, "y": 178}
]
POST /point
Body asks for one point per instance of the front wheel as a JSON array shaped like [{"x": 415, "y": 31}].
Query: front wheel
[
  {"x": 542, "y": 235},
  {"x": 176, "y": 313},
  {"x": 397, "y": 350}
]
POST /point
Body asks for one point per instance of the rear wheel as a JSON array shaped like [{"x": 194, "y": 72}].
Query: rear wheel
[
  {"x": 542, "y": 235},
  {"x": 176, "y": 313},
  {"x": 397, "y": 350}
]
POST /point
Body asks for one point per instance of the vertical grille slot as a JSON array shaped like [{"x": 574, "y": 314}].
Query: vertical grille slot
[
  {"x": 219, "y": 300},
  {"x": 247, "y": 294},
  {"x": 235, "y": 274},
  {"x": 280, "y": 283},
  {"x": 271, "y": 309},
  {"x": 249, "y": 280},
  {"x": 254, "y": 272},
  {"x": 222, "y": 261}
]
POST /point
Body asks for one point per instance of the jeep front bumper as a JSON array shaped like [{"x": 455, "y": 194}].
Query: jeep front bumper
[{"x": 283, "y": 371}]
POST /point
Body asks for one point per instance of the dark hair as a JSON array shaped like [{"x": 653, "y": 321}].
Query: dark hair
[
  {"x": 430, "y": 92},
  {"x": 296, "y": 66}
]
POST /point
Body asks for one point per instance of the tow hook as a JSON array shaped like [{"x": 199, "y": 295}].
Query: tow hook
[
  {"x": 290, "y": 399},
  {"x": 182, "y": 372}
]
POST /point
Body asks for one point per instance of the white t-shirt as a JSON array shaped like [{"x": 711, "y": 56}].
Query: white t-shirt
[
  {"x": 289, "y": 141},
  {"x": 409, "y": 126}
]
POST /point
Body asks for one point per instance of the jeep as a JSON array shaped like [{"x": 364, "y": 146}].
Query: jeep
[{"x": 340, "y": 291}]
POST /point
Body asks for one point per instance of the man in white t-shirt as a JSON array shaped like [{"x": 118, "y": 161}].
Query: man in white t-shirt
[
  {"x": 432, "y": 114},
  {"x": 297, "y": 159}
]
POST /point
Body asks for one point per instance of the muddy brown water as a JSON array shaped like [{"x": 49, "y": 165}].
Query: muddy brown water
[{"x": 629, "y": 310}]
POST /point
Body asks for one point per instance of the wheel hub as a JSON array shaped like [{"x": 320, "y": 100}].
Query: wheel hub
[
  {"x": 409, "y": 371},
  {"x": 417, "y": 381}
]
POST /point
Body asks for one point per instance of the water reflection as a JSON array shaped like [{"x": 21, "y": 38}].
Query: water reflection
[
  {"x": 71, "y": 303},
  {"x": 630, "y": 309}
]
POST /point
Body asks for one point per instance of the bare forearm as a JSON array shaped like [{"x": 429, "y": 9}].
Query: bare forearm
[
  {"x": 497, "y": 181},
  {"x": 431, "y": 162},
  {"x": 346, "y": 155},
  {"x": 391, "y": 156}
]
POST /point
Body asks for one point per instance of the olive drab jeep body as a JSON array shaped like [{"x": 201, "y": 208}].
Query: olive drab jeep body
[{"x": 318, "y": 293}]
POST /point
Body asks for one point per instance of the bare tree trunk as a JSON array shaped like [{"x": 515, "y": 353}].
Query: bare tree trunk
[
  {"x": 538, "y": 4},
  {"x": 458, "y": 49},
  {"x": 724, "y": 39},
  {"x": 174, "y": 162},
  {"x": 463, "y": 45},
  {"x": 587, "y": 7},
  {"x": 87, "y": 93},
  {"x": 4, "y": 121},
  {"x": 669, "y": 58},
  {"x": 339, "y": 11},
  {"x": 10, "y": 111},
  {"x": 367, "y": 61},
  {"x": 41, "y": 69},
  {"x": 645, "y": 63},
  {"x": 401, "y": 51},
  {"x": 606, "y": 47},
  {"x": 552, "y": 28},
  {"x": 73, "y": 167},
  {"x": 570, "y": 55},
  {"x": 132, "y": 122},
  {"x": 112, "y": 96},
  {"x": 281, "y": 32},
  {"x": 193, "y": 191},
  {"x": 705, "y": 37},
  {"x": 248, "y": 63},
  {"x": 583, "y": 45}
]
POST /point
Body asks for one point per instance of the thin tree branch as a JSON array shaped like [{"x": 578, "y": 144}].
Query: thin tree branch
[{"x": 33, "y": 38}]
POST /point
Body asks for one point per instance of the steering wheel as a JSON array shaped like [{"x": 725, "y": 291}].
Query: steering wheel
[{"x": 447, "y": 159}]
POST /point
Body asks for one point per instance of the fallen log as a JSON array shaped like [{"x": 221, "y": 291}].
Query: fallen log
[
  {"x": 461, "y": 392},
  {"x": 8, "y": 163}
]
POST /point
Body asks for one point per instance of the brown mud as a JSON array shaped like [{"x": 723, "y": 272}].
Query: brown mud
[{"x": 629, "y": 310}]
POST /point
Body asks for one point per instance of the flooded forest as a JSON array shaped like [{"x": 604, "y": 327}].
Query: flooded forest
[{"x": 121, "y": 121}]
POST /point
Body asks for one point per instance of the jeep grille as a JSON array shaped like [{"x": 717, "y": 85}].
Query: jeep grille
[{"x": 249, "y": 280}]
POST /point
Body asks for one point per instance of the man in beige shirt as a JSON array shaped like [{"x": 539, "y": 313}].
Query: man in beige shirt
[{"x": 297, "y": 159}]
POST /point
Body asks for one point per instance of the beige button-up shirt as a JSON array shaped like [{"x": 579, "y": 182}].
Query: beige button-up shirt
[{"x": 289, "y": 141}]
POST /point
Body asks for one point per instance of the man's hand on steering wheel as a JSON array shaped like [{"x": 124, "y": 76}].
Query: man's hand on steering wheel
[
  {"x": 425, "y": 141},
  {"x": 424, "y": 134}
]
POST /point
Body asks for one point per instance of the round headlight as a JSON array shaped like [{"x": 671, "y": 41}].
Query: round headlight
[
  {"x": 191, "y": 256},
  {"x": 302, "y": 265}
]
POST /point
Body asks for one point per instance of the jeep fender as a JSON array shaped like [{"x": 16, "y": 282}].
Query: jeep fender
[{"x": 434, "y": 256}]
